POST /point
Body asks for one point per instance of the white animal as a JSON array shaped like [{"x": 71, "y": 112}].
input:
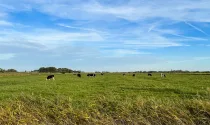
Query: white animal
[{"x": 162, "y": 75}]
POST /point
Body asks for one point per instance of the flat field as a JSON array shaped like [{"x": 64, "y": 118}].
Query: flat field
[{"x": 109, "y": 99}]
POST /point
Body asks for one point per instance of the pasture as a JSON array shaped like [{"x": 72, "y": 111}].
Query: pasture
[{"x": 109, "y": 99}]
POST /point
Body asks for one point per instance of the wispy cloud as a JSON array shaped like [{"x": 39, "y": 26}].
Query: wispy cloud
[
  {"x": 5, "y": 6},
  {"x": 6, "y": 56},
  {"x": 80, "y": 28},
  {"x": 48, "y": 37},
  {"x": 133, "y": 10},
  {"x": 152, "y": 45},
  {"x": 5, "y": 23},
  {"x": 122, "y": 52},
  {"x": 189, "y": 60}
]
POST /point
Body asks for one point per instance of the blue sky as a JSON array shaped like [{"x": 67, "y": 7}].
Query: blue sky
[{"x": 105, "y": 35}]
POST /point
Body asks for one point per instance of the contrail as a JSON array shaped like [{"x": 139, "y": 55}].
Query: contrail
[
  {"x": 196, "y": 28},
  {"x": 151, "y": 28},
  {"x": 186, "y": 37},
  {"x": 87, "y": 29},
  {"x": 156, "y": 24}
]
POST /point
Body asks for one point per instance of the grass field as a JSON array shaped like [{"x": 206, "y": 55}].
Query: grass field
[{"x": 109, "y": 99}]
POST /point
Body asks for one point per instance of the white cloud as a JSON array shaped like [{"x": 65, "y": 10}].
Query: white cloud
[
  {"x": 189, "y": 60},
  {"x": 51, "y": 38},
  {"x": 5, "y": 23},
  {"x": 80, "y": 28},
  {"x": 6, "y": 56},
  {"x": 175, "y": 33},
  {"x": 134, "y": 10},
  {"x": 59, "y": 37},
  {"x": 48, "y": 37},
  {"x": 5, "y": 6},
  {"x": 152, "y": 45},
  {"x": 122, "y": 53},
  {"x": 151, "y": 40}
]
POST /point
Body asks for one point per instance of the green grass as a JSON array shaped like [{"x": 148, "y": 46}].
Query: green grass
[{"x": 108, "y": 99}]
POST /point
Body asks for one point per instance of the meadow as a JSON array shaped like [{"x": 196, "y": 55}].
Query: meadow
[{"x": 109, "y": 99}]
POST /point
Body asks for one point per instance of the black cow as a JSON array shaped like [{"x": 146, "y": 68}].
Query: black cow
[
  {"x": 50, "y": 77},
  {"x": 102, "y": 74},
  {"x": 149, "y": 74},
  {"x": 123, "y": 74},
  {"x": 134, "y": 75},
  {"x": 91, "y": 74},
  {"x": 79, "y": 75}
]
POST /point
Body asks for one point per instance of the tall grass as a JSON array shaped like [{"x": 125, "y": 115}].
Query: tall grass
[{"x": 31, "y": 110}]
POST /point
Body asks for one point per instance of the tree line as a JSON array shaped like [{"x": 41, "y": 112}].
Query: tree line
[
  {"x": 172, "y": 71},
  {"x": 7, "y": 70},
  {"x": 67, "y": 70},
  {"x": 45, "y": 70},
  {"x": 54, "y": 70}
]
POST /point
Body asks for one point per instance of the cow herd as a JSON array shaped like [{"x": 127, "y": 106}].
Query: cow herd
[{"x": 49, "y": 77}]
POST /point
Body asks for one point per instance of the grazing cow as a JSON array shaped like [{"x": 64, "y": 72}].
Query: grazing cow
[
  {"x": 134, "y": 75},
  {"x": 50, "y": 77},
  {"x": 91, "y": 74},
  {"x": 149, "y": 74},
  {"x": 102, "y": 74},
  {"x": 79, "y": 75},
  {"x": 123, "y": 74},
  {"x": 162, "y": 75}
]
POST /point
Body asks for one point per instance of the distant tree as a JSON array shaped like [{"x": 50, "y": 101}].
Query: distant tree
[
  {"x": 2, "y": 70},
  {"x": 76, "y": 71},
  {"x": 11, "y": 70},
  {"x": 47, "y": 69},
  {"x": 42, "y": 69},
  {"x": 54, "y": 69},
  {"x": 64, "y": 70},
  {"x": 35, "y": 71},
  {"x": 51, "y": 69}
]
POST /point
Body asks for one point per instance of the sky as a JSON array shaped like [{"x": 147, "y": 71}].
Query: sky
[{"x": 105, "y": 35}]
